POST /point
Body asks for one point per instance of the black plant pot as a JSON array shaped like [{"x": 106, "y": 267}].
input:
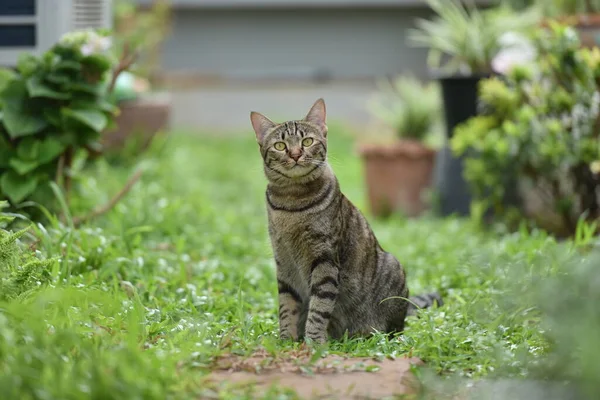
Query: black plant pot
[{"x": 460, "y": 100}]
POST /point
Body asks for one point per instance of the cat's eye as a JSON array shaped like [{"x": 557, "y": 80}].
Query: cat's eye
[
  {"x": 307, "y": 142},
  {"x": 279, "y": 146}
]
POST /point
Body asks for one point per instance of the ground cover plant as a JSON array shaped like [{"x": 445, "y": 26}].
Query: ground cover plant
[{"x": 139, "y": 302}]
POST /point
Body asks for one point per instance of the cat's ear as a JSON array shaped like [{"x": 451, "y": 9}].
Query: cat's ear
[
  {"x": 318, "y": 116},
  {"x": 261, "y": 125}
]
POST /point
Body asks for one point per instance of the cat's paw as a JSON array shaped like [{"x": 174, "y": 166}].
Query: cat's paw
[
  {"x": 315, "y": 339},
  {"x": 287, "y": 336}
]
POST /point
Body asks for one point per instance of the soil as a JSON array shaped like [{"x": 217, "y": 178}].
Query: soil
[{"x": 329, "y": 377}]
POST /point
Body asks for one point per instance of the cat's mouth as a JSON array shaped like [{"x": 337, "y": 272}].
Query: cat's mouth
[{"x": 296, "y": 164}]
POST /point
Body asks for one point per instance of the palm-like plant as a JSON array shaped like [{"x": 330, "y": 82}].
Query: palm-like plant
[
  {"x": 467, "y": 35},
  {"x": 412, "y": 108}
]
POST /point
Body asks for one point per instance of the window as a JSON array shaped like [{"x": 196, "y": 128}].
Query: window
[
  {"x": 17, "y": 35},
  {"x": 17, "y": 7}
]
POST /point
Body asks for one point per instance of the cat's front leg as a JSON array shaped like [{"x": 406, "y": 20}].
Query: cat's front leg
[
  {"x": 289, "y": 310},
  {"x": 324, "y": 282}
]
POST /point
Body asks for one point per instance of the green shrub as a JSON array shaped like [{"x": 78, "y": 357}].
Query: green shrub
[
  {"x": 412, "y": 108},
  {"x": 51, "y": 107},
  {"x": 541, "y": 121}
]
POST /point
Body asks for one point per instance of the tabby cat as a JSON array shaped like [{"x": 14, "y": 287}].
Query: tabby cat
[{"x": 333, "y": 276}]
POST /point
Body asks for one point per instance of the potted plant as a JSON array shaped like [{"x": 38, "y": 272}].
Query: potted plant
[
  {"x": 53, "y": 108},
  {"x": 543, "y": 121},
  {"x": 143, "y": 111},
  {"x": 468, "y": 39},
  {"x": 398, "y": 173},
  {"x": 142, "y": 114}
]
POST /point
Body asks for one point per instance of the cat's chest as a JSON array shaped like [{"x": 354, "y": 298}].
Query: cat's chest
[{"x": 293, "y": 236}]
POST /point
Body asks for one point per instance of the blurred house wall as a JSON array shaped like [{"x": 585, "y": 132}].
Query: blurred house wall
[
  {"x": 227, "y": 57},
  {"x": 288, "y": 39}
]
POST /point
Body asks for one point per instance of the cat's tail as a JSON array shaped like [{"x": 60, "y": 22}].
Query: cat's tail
[{"x": 423, "y": 301}]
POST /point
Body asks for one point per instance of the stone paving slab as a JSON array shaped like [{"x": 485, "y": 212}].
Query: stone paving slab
[{"x": 331, "y": 377}]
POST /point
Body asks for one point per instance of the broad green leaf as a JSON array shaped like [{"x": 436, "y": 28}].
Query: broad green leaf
[
  {"x": 86, "y": 136},
  {"x": 37, "y": 88},
  {"x": 85, "y": 87},
  {"x": 19, "y": 118},
  {"x": 27, "y": 64},
  {"x": 99, "y": 62},
  {"x": 28, "y": 149},
  {"x": 108, "y": 107},
  {"x": 23, "y": 166},
  {"x": 5, "y": 152},
  {"x": 67, "y": 65},
  {"x": 94, "y": 119},
  {"x": 68, "y": 138},
  {"x": 97, "y": 103},
  {"x": 6, "y": 75},
  {"x": 58, "y": 78},
  {"x": 50, "y": 149},
  {"x": 52, "y": 115},
  {"x": 17, "y": 188}
]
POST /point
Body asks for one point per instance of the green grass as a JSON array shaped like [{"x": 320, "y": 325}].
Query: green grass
[{"x": 141, "y": 300}]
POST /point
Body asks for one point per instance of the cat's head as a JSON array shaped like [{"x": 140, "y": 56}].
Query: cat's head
[{"x": 293, "y": 150}]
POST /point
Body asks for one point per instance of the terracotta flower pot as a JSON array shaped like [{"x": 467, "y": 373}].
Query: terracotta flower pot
[
  {"x": 396, "y": 176},
  {"x": 143, "y": 117}
]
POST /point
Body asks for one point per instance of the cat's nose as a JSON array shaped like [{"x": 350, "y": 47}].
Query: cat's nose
[{"x": 295, "y": 155}]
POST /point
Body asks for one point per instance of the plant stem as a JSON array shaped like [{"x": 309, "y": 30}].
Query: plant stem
[
  {"x": 113, "y": 202},
  {"x": 127, "y": 59},
  {"x": 66, "y": 172}
]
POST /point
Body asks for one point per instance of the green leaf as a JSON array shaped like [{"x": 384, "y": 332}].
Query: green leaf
[
  {"x": 37, "y": 88},
  {"x": 15, "y": 187},
  {"x": 68, "y": 138},
  {"x": 96, "y": 103},
  {"x": 94, "y": 119},
  {"x": 98, "y": 62},
  {"x": 85, "y": 87},
  {"x": 5, "y": 152},
  {"x": 50, "y": 149},
  {"x": 108, "y": 107},
  {"x": 19, "y": 118},
  {"x": 27, "y": 64},
  {"x": 58, "y": 78},
  {"x": 28, "y": 149},
  {"x": 23, "y": 166},
  {"x": 6, "y": 75},
  {"x": 68, "y": 65},
  {"x": 52, "y": 115}
]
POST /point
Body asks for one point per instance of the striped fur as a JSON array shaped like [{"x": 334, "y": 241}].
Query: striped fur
[{"x": 333, "y": 276}]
